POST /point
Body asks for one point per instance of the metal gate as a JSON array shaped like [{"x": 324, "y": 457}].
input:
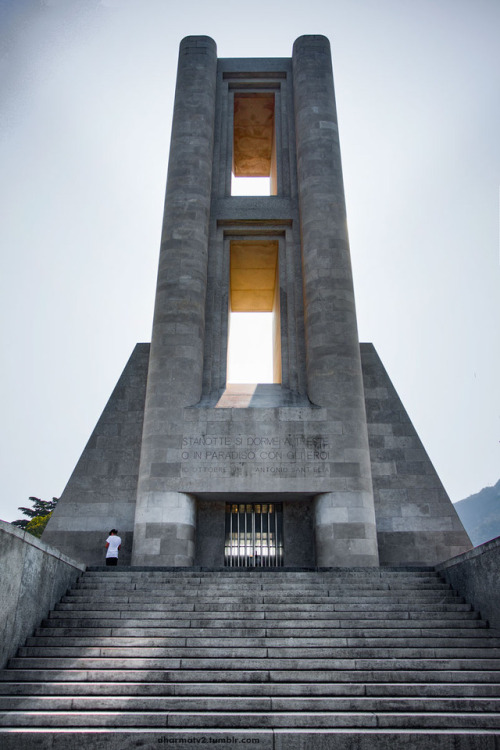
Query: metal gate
[{"x": 254, "y": 535}]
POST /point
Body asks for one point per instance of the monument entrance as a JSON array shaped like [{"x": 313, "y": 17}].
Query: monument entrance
[
  {"x": 326, "y": 447},
  {"x": 254, "y": 535}
]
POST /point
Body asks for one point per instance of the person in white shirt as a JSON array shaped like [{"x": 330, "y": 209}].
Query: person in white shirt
[{"x": 113, "y": 544}]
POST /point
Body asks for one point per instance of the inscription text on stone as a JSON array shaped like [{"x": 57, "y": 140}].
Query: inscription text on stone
[{"x": 223, "y": 455}]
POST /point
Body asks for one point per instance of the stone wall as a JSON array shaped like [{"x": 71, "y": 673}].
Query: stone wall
[
  {"x": 266, "y": 451},
  {"x": 33, "y": 577},
  {"x": 101, "y": 492},
  {"x": 417, "y": 523},
  {"x": 298, "y": 533},
  {"x": 476, "y": 575},
  {"x": 210, "y": 533}
]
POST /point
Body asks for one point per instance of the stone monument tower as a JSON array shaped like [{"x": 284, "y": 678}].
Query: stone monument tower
[{"x": 322, "y": 466}]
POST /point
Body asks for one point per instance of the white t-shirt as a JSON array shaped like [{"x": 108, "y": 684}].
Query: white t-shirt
[{"x": 114, "y": 542}]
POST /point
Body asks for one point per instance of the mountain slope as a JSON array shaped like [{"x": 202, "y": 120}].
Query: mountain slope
[{"x": 480, "y": 514}]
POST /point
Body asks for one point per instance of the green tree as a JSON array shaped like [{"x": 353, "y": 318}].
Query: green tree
[
  {"x": 40, "y": 509},
  {"x": 37, "y": 525}
]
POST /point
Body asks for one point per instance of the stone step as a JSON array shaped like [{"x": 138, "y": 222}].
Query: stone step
[
  {"x": 226, "y": 704},
  {"x": 116, "y": 595},
  {"x": 327, "y": 604},
  {"x": 363, "y": 675},
  {"x": 341, "y": 621},
  {"x": 261, "y": 632},
  {"x": 261, "y": 662},
  {"x": 232, "y": 579},
  {"x": 210, "y": 651},
  {"x": 270, "y": 587},
  {"x": 219, "y": 639},
  {"x": 258, "y": 652},
  {"x": 187, "y": 592},
  {"x": 264, "y": 574},
  {"x": 265, "y": 578},
  {"x": 469, "y": 621},
  {"x": 225, "y": 606},
  {"x": 117, "y": 738},
  {"x": 157, "y": 593},
  {"x": 177, "y": 604},
  {"x": 412, "y": 573},
  {"x": 255, "y": 689},
  {"x": 248, "y": 719}
]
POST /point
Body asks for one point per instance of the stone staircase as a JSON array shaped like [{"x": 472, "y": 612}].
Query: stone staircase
[{"x": 274, "y": 658}]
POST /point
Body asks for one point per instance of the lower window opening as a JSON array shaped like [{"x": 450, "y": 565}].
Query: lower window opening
[
  {"x": 250, "y": 348},
  {"x": 254, "y": 317}
]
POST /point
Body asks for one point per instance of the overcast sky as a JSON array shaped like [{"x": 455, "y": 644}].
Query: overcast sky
[{"x": 86, "y": 93}]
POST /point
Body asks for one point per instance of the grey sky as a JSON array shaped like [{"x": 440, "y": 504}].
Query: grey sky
[{"x": 86, "y": 93}]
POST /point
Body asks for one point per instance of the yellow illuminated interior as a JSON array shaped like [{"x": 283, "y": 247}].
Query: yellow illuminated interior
[
  {"x": 254, "y": 146},
  {"x": 254, "y": 286}
]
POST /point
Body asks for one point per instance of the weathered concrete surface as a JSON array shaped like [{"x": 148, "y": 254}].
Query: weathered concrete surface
[
  {"x": 344, "y": 524},
  {"x": 290, "y": 449},
  {"x": 417, "y": 523},
  {"x": 33, "y": 577},
  {"x": 334, "y": 377},
  {"x": 101, "y": 492},
  {"x": 263, "y": 739},
  {"x": 176, "y": 359},
  {"x": 190, "y": 447},
  {"x": 476, "y": 576},
  {"x": 300, "y": 739}
]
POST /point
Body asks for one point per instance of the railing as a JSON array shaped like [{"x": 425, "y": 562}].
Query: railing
[{"x": 254, "y": 535}]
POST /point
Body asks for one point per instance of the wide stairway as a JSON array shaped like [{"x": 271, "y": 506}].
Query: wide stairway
[{"x": 274, "y": 658}]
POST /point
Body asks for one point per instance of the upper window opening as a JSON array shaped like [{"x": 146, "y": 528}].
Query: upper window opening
[{"x": 254, "y": 143}]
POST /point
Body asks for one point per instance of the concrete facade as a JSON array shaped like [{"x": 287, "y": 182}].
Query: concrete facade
[
  {"x": 416, "y": 522},
  {"x": 101, "y": 492},
  {"x": 192, "y": 450},
  {"x": 328, "y": 438}
]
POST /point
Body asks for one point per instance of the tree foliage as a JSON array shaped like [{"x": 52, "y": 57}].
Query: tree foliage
[
  {"x": 40, "y": 509},
  {"x": 37, "y": 525}
]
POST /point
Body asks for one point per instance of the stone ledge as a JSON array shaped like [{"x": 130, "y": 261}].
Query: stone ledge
[
  {"x": 33, "y": 577},
  {"x": 482, "y": 549},
  {"x": 28, "y": 538},
  {"x": 475, "y": 575}
]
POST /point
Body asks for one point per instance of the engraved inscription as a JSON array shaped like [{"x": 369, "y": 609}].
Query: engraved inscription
[{"x": 242, "y": 455}]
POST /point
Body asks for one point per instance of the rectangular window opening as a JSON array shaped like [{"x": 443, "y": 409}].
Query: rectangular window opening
[
  {"x": 254, "y": 169},
  {"x": 250, "y": 185},
  {"x": 250, "y": 347},
  {"x": 254, "y": 338}
]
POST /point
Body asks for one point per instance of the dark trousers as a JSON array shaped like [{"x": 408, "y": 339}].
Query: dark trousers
[{"x": 111, "y": 561}]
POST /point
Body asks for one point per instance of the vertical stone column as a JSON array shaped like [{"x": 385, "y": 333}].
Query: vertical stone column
[
  {"x": 165, "y": 519},
  {"x": 345, "y": 533},
  {"x": 332, "y": 345}
]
